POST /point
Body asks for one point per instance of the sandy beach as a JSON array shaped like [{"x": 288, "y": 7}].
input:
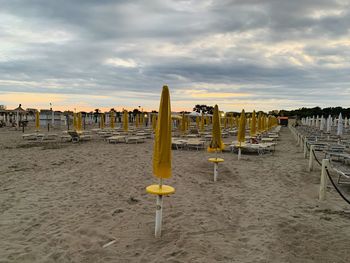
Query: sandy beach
[{"x": 62, "y": 202}]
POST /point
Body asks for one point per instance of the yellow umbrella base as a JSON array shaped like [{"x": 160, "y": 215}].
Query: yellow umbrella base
[
  {"x": 155, "y": 189},
  {"x": 216, "y": 160}
]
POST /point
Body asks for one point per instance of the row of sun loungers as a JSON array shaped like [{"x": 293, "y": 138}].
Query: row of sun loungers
[{"x": 329, "y": 146}]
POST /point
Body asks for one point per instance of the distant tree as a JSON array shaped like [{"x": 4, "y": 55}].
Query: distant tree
[
  {"x": 204, "y": 108},
  {"x": 136, "y": 111}
]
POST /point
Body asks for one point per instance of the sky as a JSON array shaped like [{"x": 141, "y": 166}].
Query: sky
[{"x": 251, "y": 54}]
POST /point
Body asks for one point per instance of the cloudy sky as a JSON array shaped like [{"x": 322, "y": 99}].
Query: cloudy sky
[{"x": 250, "y": 54}]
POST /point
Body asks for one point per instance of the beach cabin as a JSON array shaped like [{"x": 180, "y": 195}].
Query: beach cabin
[{"x": 282, "y": 121}]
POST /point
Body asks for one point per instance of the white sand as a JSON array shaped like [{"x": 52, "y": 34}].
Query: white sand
[{"x": 63, "y": 202}]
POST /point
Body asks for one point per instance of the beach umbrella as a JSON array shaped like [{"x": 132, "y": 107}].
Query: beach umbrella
[
  {"x": 202, "y": 123},
  {"x": 253, "y": 125},
  {"x": 111, "y": 119},
  {"x": 75, "y": 121},
  {"x": 162, "y": 156},
  {"x": 216, "y": 144},
  {"x": 259, "y": 122},
  {"x": 154, "y": 122},
  {"x": 102, "y": 121},
  {"x": 125, "y": 121},
  {"x": 79, "y": 122},
  {"x": 231, "y": 122},
  {"x": 183, "y": 123},
  {"x": 37, "y": 121},
  {"x": 340, "y": 125},
  {"x": 197, "y": 122},
  {"x": 241, "y": 132}
]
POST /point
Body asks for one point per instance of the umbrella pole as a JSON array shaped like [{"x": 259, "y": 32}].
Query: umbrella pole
[
  {"x": 239, "y": 151},
  {"x": 216, "y": 166},
  {"x": 159, "y": 212}
]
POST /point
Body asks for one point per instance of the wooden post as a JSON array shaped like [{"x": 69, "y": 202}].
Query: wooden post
[
  {"x": 323, "y": 183},
  {"x": 305, "y": 148},
  {"x": 311, "y": 158}
]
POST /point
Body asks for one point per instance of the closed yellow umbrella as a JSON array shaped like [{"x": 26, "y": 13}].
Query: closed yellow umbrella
[
  {"x": 102, "y": 121},
  {"x": 207, "y": 120},
  {"x": 137, "y": 121},
  {"x": 225, "y": 122},
  {"x": 241, "y": 129},
  {"x": 154, "y": 122},
  {"x": 202, "y": 123},
  {"x": 37, "y": 121},
  {"x": 197, "y": 122},
  {"x": 75, "y": 121},
  {"x": 79, "y": 123},
  {"x": 216, "y": 143},
  {"x": 241, "y": 132},
  {"x": 253, "y": 125},
  {"x": 183, "y": 123},
  {"x": 111, "y": 119},
  {"x": 259, "y": 123},
  {"x": 162, "y": 156},
  {"x": 125, "y": 121}
]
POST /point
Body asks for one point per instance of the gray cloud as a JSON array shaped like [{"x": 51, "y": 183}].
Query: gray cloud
[{"x": 275, "y": 48}]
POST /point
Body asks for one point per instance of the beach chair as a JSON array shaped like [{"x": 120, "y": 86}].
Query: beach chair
[
  {"x": 116, "y": 139},
  {"x": 195, "y": 144},
  {"x": 77, "y": 136},
  {"x": 31, "y": 136},
  {"x": 135, "y": 139}
]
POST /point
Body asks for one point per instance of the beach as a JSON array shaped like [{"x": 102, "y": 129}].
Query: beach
[{"x": 62, "y": 202}]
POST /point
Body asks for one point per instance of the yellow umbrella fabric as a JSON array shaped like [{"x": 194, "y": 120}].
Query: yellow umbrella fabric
[
  {"x": 207, "y": 120},
  {"x": 259, "y": 122},
  {"x": 80, "y": 122},
  {"x": 253, "y": 125},
  {"x": 37, "y": 120},
  {"x": 102, "y": 121},
  {"x": 154, "y": 122},
  {"x": 111, "y": 118},
  {"x": 241, "y": 128},
  {"x": 125, "y": 121},
  {"x": 216, "y": 143},
  {"x": 202, "y": 123},
  {"x": 137, "y": 120},
  {"x": 237, "y": 121},
  {"x": 183, "y": 123},
  {"x": 162, "y": 141},
  {"x": 75, "y": 121},
  {"x": 197, "y": 122}
]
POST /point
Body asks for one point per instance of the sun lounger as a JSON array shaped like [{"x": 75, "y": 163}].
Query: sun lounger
[
  {"x": 32, "y": 136},
  {"x": 77, "y": 136},
  {"x": 116, "y": 139},
  {"x": 178, "y": 143},
  {"x": 135, "y": 139},
  {"x": 195, "y": 144}
]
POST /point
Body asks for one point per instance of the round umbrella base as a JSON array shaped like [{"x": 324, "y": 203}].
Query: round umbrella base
[{"x": 155, "y": 189}]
